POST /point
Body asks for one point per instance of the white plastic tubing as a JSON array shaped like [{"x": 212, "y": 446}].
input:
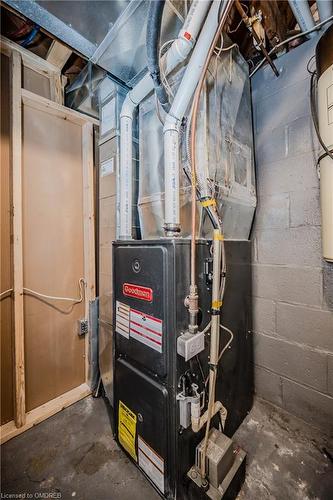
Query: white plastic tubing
[
  {"x": 302, "y": 13},
  {"x": 177, "y": 53},
  {"x": 325, "y": 9},
  {"x": 179, "y": 106}
]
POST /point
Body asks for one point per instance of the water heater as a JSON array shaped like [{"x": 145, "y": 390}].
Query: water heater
[{"x": 324, "y": 60}]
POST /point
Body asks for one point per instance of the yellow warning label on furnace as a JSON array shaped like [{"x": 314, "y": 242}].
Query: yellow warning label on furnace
[{"x": 127, "y": 429}]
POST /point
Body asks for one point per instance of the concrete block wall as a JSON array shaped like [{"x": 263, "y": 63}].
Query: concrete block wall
[{"x": 292, "y": 285}]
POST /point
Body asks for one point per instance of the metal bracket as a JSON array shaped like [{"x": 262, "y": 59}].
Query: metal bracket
[{"x": 185, "y": 406}]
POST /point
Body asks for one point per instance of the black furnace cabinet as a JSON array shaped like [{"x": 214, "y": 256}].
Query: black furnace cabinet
[{"x": 151, "y": 281}]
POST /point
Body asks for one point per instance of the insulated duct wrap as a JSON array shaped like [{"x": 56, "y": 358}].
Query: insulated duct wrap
[{"x": 224, "y": 153}]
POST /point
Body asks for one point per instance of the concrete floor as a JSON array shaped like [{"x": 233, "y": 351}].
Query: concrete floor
[{"x": 74, "y": 456}]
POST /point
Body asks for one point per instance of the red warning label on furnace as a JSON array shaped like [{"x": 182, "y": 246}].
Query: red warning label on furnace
[
  {"x": 146, "y": 329},
  {"x": 137, "y": 325},
  {"x": 138, "y": 292}
]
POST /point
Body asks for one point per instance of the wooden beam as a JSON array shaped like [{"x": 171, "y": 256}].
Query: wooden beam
[
  {"x": 29, "y": 59},
  {"x": 88, "y": 225},
  {"x": 43, "y": 104},
  {"x": 16, "y": 161},
  {"x": 36, "y": 416},
  {"x": 38, "y": 65},
  {"x": 58, "y": 54}
]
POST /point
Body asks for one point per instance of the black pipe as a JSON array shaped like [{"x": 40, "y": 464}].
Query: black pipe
[{"x": 154, "y": 21}]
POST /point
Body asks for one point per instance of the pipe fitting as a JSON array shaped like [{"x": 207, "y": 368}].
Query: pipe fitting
[
  {"x": 128, "y": 107},
  {"x": 171, "y": 124},
  {"x": 171, "y": 230},
  {"x": 193, "y": 309},
  {"x": 198, "y": 422}
]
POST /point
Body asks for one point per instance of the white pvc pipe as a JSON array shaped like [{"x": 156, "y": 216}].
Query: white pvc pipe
[
  {"x": 173, "y": 120},
  {"x": 302, "y": 13},
  {"x": 177, "y": 53},
  {"x": 325, "y": 9}
]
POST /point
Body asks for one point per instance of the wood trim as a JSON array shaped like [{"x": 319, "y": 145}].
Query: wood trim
[
  {"x": 29, "y": 59},
  {"x": 89, "y": 225},
  {"x": 58, "y": 54},
  {"x": 56, "y": 89},
  {"x": 19, "y": 96},
  {"x": 37, "y": 64},
  {"x": 43, "y": 104},
  {"x": 16, "y": 161},
  {"x": 36, "y": 416}
]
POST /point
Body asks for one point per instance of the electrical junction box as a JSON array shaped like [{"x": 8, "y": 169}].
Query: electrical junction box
[
  {"x": 189, "y": 344},
  {"x": 151, "y": 423}
]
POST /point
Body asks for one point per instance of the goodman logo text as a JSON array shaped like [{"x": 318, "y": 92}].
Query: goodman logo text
[{"x": 138, "y": 292}]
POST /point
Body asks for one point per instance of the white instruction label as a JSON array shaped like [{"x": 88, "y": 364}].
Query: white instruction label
[
  {"x": 122, "y": 319},
  {"x": 146, "y": 329},
  {"x": 151, "y": 463},
  {"x": 107, "y": 167}
]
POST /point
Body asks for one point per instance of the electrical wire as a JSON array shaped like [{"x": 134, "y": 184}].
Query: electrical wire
[
  {"x": 315, "y": 117},
  {"x": 162, "y": 68},
  {"x": 240, "y": 22},
  {"x": 4, "y": 294},
  {"x": 229, "y": 341},
  {"x": 294, "y": 37},
  {"x": 225, "y": 347},
  {"x": 82, "y": 284}
]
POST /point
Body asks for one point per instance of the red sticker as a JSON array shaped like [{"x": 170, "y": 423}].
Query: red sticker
[
  {"x": 187, "y": 35},
  {"x": 138, "y": 292}
]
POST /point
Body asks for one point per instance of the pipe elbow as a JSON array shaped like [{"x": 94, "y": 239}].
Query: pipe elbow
[
  {"x": 128, "y": 107},
  {"x": 171, "y": 124}
]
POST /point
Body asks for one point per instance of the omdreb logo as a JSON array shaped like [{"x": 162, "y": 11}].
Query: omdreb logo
[{"x": 138, "y": 292}]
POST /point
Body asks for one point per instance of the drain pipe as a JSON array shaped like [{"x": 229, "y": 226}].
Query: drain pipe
[
  {"x": 325, "y": 9},
  {"x": 302, "y": 13},
  {"x": 179, "y": 106},
  {"x": 154, "y": 23},
  {"x": 177, "y": 53}
]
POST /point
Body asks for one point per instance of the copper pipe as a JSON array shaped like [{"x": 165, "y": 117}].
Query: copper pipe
[{"x": 248, "y": 24}]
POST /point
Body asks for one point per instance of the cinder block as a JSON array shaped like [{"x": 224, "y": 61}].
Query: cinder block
[
  {"x": 290, "y": 246},
  {"x": 289, "y": 284},
  {"x": 280, "y": 101},
  {"x": 330, "y": 374},
  {"x": 263, "y": 315},
  {"x": 267, "y": 385},
  {"x": 328, "y": 285},
  {"x": 299, "y": 363},
  {"x": 272, "y": 212},
  {"x": 286, "y": 140},
  {"x": 305, "y": 208},
  {"x": 312, "y": 406},
  {"x": 296, "y": 174},
  {"x": 313, "y": 327}
]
